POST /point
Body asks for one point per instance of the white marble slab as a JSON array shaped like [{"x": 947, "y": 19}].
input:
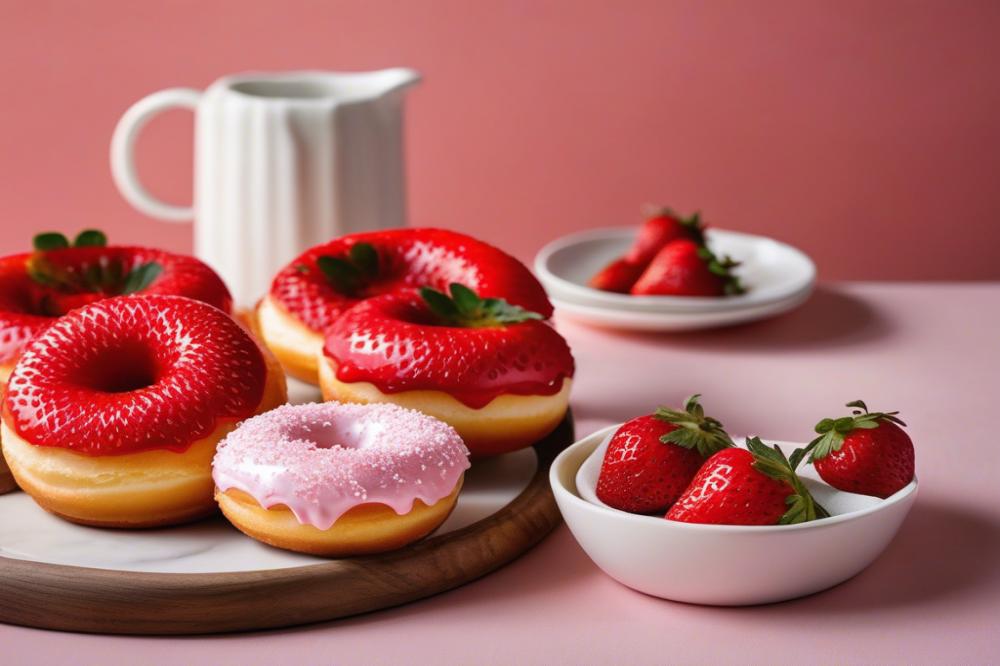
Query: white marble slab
[{"x": 29, "y": 533}]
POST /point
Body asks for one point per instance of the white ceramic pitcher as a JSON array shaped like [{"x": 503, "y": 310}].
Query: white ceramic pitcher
[{"x": 282, "y": 162}]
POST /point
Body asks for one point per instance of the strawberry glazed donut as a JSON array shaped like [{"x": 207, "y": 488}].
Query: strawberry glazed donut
[
  {"x": 38, "y": 287},
  {"x": 113, "y": 413},
  {"x": 335, "y": 479},
  {"x": 494, "y": 371},
  {"x": 310, "y": 293}
]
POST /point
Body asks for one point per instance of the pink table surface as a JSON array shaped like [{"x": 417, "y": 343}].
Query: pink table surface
[{"x": 929, "y": 350}]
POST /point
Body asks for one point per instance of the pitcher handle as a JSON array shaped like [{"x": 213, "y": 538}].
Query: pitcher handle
[{"x": 123, "y": 140}]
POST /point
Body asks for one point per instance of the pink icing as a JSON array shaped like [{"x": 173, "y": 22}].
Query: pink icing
[{"x": 323, "y": 459}]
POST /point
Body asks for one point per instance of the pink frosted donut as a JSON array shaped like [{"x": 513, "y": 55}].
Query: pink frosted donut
[{"x": 339, "y": 479}]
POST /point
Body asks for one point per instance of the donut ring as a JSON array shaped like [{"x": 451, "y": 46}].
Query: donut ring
[
  {"x": 303, "y": 302},
  {"x": 113, "y": 413},
  {"x": 501, "y": 387},
  {"x": 28, "y": 306},
  {"x": 339, "y": 479}
]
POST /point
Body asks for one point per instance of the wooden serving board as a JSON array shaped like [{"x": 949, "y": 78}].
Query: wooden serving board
[{"x": 75, "y": 598}]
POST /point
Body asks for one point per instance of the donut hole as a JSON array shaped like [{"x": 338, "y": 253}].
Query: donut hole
[
  {"x": 330, "y": 435},
  {"x": 127, "y": 367}
]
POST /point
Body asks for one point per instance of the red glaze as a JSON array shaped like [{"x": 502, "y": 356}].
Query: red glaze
[
  {"x": 728, "y": 491},
  {"x": 393, "y": 342},
  {"x": 641, "y": 474},
  {"x": 677, "y": 270},
  {"x": 134, "y": 373},
  {"x": 871, "y": 461},
  {"x": 407, "y": 258},
  {"x": 27, "y": 307}
]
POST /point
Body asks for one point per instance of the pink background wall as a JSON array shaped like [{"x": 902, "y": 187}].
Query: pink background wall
[{"x": 864, "y": 132}]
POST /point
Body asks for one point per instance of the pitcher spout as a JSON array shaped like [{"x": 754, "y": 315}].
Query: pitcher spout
[
  {"x": 309, "y": 87},
  {"x": 352, "y": 87},
  {"x": 395, "y": 79}
]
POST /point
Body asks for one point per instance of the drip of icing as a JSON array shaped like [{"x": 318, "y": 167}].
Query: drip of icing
[
  {"x": 394, "y": 343},
  {"x": 323, "y": 459},
  {"x": 474, "y": 398}
]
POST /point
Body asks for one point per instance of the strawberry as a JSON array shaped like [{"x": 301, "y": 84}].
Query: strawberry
[
  {"x": 651, "y": 459},
  {"x": 662, "y": 225},
  {"x": 752, "y": 486},
  {"x": 618, "y": 276},
  {"x": 866, "y": 453},
  {"x": 685, "y": 268}
]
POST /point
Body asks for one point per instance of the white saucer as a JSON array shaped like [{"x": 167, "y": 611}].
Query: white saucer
[
  {"x": 773, "y": 272},
  {"x": 675, "y": 321}
]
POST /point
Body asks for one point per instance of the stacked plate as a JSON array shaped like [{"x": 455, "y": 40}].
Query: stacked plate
[{"x": 778, "y": 278}]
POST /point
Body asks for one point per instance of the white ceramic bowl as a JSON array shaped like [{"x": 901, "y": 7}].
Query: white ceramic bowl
[
  {"x": 725, "y": 565},
  {"x": 773, "y": 272}
]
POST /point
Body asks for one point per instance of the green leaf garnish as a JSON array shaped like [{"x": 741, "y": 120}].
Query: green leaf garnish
[
  {"x": 463, "y": 307},
  {"x": 439, "y": 304},
  {"x": 771, "y": 461},
  {"x": 724, "y": 269},
  {"x": 348, "y": 275},
  {"x": 832, "y": 431},
  {"x": 365, "y": 259},
  {"x": 90, "y": 238},
  {"x": 694, "y": 430},
  {"x": 340, "y": 273},
  {"x": 141, "y": 277},
  {"x": 51, "y": 240}
]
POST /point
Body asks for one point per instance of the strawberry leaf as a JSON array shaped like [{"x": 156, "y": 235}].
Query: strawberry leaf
[
  {"x": 348, "y": 275},
  {"x": 693, "y": 429},
  {"x": 140, "y": 277},
  {"x": 771, "y": 462},
  {"x": 463, "y": 307},
  {"x": 722, "y": 268},
  {"x": 470, "y": 305},
  {"x": 833, "y": 431},
  {"x": 365, "y": 259},
  {"x": 440, "y": 305},
  {"x": 859, "y": 404},
  {"x": 51, "y": 240},
  {"x": 340, "y": 273},
  {"x": 90, "y": 238}
]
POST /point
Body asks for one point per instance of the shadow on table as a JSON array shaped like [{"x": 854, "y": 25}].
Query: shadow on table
[
  {"x": 830, "y": 318},
  {"x": 941, "y": 551}
]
